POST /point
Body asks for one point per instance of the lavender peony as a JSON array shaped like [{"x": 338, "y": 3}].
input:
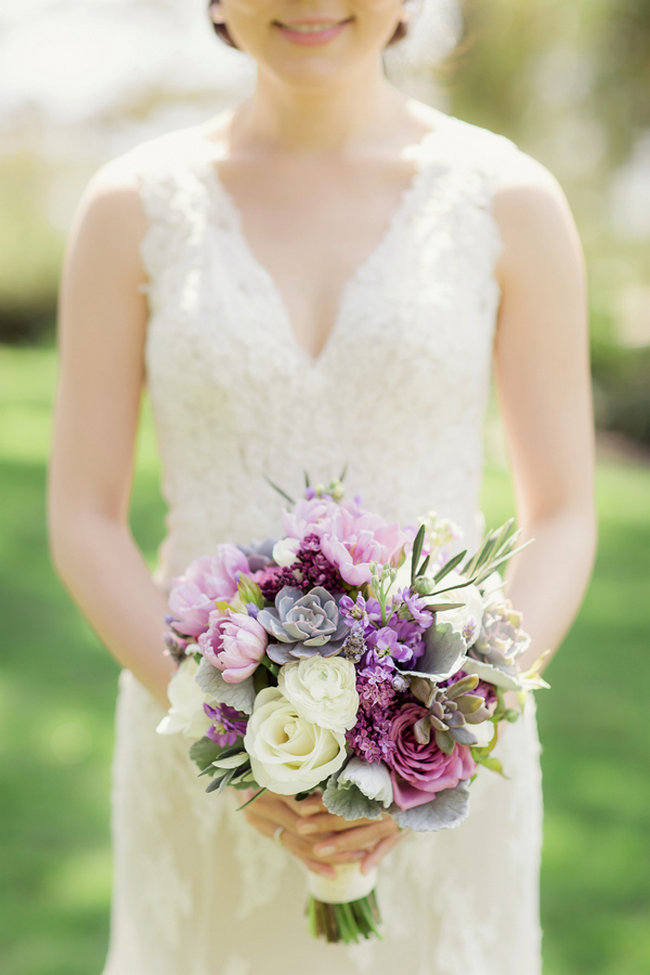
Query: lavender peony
[{"x": 208, "y": 579}]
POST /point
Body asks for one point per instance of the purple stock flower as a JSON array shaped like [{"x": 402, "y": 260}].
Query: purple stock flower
[
  {"x": 416, "y": 606},
  {"x": 229, "y": 724}
]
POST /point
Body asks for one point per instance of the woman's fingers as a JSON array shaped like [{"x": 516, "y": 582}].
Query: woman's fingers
[
  {"x": 356, "y": 838},
  {"x": 375, "y": 856},
  {"x": 272, "y": 812},
  {"x": 327, "y": 822}
]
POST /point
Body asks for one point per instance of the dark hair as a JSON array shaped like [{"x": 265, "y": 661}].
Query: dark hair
[{"x": 222, "y": 31}]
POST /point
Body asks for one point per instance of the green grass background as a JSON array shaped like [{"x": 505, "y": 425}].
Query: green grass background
[{"x": 57, "y": 694}]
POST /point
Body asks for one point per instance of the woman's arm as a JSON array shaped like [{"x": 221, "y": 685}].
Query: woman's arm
[
  {"x": 542, "y": 370},
  {"x": 102, "y": 323}
]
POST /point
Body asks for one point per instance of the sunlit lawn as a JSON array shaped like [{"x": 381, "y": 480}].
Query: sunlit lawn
[{"x": 57, "y": 692}]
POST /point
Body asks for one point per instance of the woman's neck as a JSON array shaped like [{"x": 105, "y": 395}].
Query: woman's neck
[{"x": 363, "y": 111}]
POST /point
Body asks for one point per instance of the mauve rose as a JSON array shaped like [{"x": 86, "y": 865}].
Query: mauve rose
[
  {"x": 234, "y": 643},
  {"x": 418, "y": 772},
  {"x": 210, "y": 578}
]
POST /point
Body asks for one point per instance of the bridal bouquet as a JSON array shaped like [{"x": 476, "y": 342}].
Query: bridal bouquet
[{"x": 352, "y": 657}]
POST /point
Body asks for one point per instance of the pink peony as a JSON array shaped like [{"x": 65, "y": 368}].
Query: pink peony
[
  {"x": 418, "y": 772},
  {"x": 355, "y": 538},
  {"x": 208, "y": 579},
  {"x": 234, "y": 643},
  {"x": 309, "y": 515}
]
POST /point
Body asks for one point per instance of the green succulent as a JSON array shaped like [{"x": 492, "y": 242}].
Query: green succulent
[{"x": 451, "y": 712}]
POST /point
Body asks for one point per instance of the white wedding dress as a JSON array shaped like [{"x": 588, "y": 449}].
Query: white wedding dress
[{"x": 398, "y": 394}]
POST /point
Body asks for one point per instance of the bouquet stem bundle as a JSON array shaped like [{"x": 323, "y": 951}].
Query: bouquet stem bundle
[{"x": 347, "y": 922}]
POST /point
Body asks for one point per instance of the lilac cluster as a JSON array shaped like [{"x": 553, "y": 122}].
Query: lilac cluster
[
  {"x": 311, "y": 568},
  {"x": 377, "y": 687},
  {"x": 229, "y": 724}
]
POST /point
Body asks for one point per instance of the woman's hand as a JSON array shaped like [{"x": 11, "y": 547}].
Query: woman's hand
[{"x": 317, "y": 837}]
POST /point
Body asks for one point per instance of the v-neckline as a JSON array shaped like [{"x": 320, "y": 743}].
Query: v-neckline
[{"x": 401, "y": 211}]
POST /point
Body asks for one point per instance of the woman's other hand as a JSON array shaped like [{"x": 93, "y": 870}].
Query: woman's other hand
[{"x": 317, "y": 837}]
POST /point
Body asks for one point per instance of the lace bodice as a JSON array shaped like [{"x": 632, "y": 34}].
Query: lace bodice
[
  {"x": 398, "y": 394},
  {"x": 399, "y": 391}
]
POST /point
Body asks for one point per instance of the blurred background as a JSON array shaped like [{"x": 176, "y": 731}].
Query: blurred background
[{"x": 83, "y": 80}]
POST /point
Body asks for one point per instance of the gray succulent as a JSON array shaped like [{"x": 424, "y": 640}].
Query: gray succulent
[
  {"x": 452, "y": 711},
  {"x": 501, "y": 639},
  {"x": 304, "y": 624}
]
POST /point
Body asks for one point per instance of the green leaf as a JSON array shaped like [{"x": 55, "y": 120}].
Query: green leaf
[
  {"x": 489, "y": 761},
  {"x": 423, "y": 568},
  {"x": 249, "y": 591},
  {"x": 203, "y": 752},
  {"x": 418, "y": 542},
  {"x": 219, "y": 783},
  {"x": 449, "y": 566},
  {"x": 282, "y": 493},
  {"x": 231, "y": 761},
  {"x": 252, "y": 799}
]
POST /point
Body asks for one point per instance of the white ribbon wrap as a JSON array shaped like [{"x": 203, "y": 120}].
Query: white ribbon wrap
[{"x": 349, "y": 884}]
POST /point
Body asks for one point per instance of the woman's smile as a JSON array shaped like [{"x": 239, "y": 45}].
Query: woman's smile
[{"x": 312, "y": 31}]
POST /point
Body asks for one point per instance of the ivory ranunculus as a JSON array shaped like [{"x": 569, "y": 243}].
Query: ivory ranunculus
[
  {"x": 289, "y": 753},
  {"x": 323, "y": 690}
]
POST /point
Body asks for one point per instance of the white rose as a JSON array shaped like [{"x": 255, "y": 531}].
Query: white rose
[
  {"x": 323, "y": 690},
  {"x": 284, "y": 551},
  {"x": 186, "y": 713},
  {"x": 288, "y": 753}
]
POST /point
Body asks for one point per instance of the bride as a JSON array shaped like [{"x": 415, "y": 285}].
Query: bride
[{"x": 325, "y": 274}]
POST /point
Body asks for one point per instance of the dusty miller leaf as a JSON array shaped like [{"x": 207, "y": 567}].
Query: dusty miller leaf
[
  {"x": 447, "y": 810},
  {"x": 211, "y": 682}
]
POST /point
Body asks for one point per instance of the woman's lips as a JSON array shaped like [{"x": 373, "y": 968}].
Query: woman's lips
[{"x": 312, "y": 33}]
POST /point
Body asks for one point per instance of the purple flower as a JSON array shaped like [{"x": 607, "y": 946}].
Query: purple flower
[
  {"x": 365, "y": 611},
  {"x": 229, "y": 724},
  {"x": 208, "y": 579},
  {"x": 234, "y": 643},
  {"x": 416, "y": 606},
  {"x": 419, "y": 771}
]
